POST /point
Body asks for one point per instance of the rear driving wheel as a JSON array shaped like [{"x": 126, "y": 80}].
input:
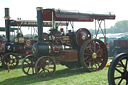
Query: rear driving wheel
[
  {"x": 45, "y": 66},
  {"x": 93, "y": 55}
]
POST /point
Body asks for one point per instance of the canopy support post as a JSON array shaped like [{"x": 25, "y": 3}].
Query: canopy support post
[{"x": 103, "y": 29}]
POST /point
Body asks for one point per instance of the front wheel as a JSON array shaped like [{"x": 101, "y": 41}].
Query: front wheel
[
  {"x": 118, "y": 72},
  {"x": 45, "y": 66},
  {"x": 10, "y": 60},
  {"x": 28, "y": 64}
]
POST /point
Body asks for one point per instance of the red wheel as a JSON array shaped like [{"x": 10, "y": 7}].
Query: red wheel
[
  {"x": 28, "y": 64},
  {"x": 82, "y": 35},
  {"x": 45, "y": 66},
  {"x": 118, "y": 70},
  {"x": 93, "y": 55},
  {"x": 11, "y": 60}
]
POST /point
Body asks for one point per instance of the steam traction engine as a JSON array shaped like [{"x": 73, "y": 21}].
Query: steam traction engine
[
  {"x": 11, "y": 50},
  {"x": 72, "y": 49},
  {"x": 2, "y": 41}
]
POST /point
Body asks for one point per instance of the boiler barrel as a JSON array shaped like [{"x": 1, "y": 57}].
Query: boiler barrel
[{"x": 40, "y": 49}]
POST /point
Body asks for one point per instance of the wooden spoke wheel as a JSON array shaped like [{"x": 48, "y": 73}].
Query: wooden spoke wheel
[
  {"x": 82, "y": 35},
  {"x": 93, "y": 55},
  {"x": 45, "y": 66},
  {"x": 118, "y": 70},
  {"x": 10, "y": 60},
  {"x": 28, "y": 65}
]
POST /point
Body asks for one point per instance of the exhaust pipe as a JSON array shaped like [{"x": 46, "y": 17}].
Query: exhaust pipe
[
  {"x": 7, "y": 24},
  {"x": 40, "y": 24}
]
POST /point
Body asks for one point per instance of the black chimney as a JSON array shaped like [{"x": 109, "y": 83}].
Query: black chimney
[
  {"x": 7, "y": 24},
  {"x": 40, "y": 23}
]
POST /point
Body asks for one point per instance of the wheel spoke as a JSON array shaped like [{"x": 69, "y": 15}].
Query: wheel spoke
[
  {"x": 118, "y": 70},
  {"x": 49, "y": 63},
  {"x": 98, "y": 50},
  {"x": 126, "y": 64},
  {"x": 120, "y": 81},
  {"x": 97, "y": 62},
  {"x": 118, "y": 77},
  {"x": 122, "y": 64},
  {"x": 42, "y": 62},
  {"x": 90, "y": 49},
  {"x": 41, "y": 71},
  {"x": 28, "y": 69},
  {"x": 94, "y": 46},
  {"x": 26, "y": 62},
  {"x": 88, "y": 60},
  {"x": 44, "y": 74},
  {"x": 49, "y": 73},
  {"x": 95, "y": 65},
  {"x": 32, "y": 70},
  {"x": 126, "y": 82},
  {"x": 85, "y": 58}
]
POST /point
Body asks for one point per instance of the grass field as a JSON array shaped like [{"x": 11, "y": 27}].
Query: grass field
[{"x": 62, "y": 76}]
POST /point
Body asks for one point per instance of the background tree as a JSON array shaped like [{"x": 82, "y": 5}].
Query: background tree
[{"x": 119, "y": 27}]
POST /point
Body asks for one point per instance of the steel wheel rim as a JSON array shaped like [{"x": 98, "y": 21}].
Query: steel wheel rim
[
  {"x": 45, "y": 66},
  {"x": 121, "y": 71},
  {"x": 28, "y": 64},
  {"x": 95, "y": 55},
  {"x": 10, "y": 60}
]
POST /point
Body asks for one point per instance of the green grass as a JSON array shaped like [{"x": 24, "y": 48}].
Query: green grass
[{"x": 62, "y": 76}]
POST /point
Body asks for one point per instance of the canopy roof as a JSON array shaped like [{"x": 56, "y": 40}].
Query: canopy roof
[{"x": 62, "y": 15}]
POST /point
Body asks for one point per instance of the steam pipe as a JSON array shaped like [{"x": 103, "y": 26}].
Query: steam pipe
[
  {"x": 7, "y": 24},
  {"x": 40, "y": 24}
]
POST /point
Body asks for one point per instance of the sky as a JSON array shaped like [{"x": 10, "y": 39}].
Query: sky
[{"x": 26, "y": 9}]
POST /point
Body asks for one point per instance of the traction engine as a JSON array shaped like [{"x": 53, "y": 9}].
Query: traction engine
[
  {"x": 73, "y": 48},
  {"x": 12, "y": 50}
]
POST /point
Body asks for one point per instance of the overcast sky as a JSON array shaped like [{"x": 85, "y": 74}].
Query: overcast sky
[{"x": 26, "y": 9}]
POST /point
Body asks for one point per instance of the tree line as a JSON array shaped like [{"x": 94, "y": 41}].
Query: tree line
[{"x": 119, "y": 27}]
